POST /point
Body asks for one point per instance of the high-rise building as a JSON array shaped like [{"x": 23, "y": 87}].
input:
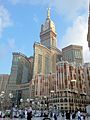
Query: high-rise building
[
  {"x": 73, "y": 54},
  {"x": 20, "y": 77},
  {"x": 65, "y": 89},
  {"x": 46, "y": 53},
  {"x": 87, "y": 77},
  {"x": 50, "y": 76},
  {"x": 48, "y": 32},
  {"x": 71, "y": 87},
  {"x": 3, "y": 88},
  {"x": 88, "y": 36}
]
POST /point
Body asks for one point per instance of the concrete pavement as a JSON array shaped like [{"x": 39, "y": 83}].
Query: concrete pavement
[{"x": 38, "y": 118}]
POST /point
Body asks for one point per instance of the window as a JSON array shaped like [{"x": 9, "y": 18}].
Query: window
[
  {"x": 47, "y": 64},
  {"x": 39, "y": 63},
  {"x": 65, "y": 100}
]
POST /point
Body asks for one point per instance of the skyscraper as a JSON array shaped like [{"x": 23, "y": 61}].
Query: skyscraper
[
  {"x": 21, "y": 74},
  {"x": 61, "y": 82},
  {"x": 48, "y": 32},
  {"x": 46, "y": 53},
  {"x": 73, "y": 54}
]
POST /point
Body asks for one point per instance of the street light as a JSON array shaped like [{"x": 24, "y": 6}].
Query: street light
[
  {"x": 11, "y": 97},
  {"x": 35, "y": 104},
  {"x": 21, "y": 101},
  {"x": 4, "y": 100},
  {"x": 52, "y": 94},
  {"x": 2, "y": 92},
  {"x": 2, "y": 96},
  {"x": 45, "y": 102},
  {"x": 28, "y": 100},
  {"x": 45, "y": 97}
]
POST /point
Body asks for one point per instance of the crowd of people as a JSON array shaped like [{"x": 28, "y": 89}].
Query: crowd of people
[{"x": 28, "y": 113}]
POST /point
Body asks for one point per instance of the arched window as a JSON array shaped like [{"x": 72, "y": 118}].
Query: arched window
[
  {"x": 65, "y": 100},
  {"x": 61, "y": 100}
]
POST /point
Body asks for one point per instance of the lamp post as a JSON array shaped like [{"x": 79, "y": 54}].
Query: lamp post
[
  {"x": 11, "y": 97},
  {"x": 21, "y": 102},
  {"x": 3, "y": 100},
  {"x": 46, "y": 102},
  {"x": 52, "y": 94},
  {"x": 2, "y": 96},
  {"x": 28, "y": 101},
  {"x": 73, "y": 83},
  {"x": 36, "y": 104},
  {"x": 11, "y": 104}
]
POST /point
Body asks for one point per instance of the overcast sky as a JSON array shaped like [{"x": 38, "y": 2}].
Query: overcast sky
[{"x": 20, "y": 23}]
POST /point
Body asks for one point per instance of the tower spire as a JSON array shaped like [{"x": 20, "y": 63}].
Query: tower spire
[{"x": 48, "y": 13}]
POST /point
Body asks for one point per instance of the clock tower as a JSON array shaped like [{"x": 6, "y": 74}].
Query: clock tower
[{"x": 48, "y": 32}]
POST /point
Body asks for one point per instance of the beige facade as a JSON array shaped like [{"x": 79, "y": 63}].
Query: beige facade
[
  {"x": 68, "y": 85},
  {"x": 87, "y": 77},
  {"x": 71, "y": 87},
  {"x": 20, "y": 77},
  {"x": 44, "y": 59},
  {"x": 64, "y": 85},
  {"x": 48, "y": 32},
  {"x": 46, "y": 53},
  {"x": 73, "y": 54},
  {"x": 46, "y": 78}
]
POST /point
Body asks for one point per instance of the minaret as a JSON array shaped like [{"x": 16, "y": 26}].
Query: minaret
[
  {"x": 48, "y": 32},
  {"x": 88, "y": 36}
]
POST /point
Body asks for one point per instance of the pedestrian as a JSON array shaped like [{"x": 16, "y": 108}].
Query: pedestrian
[
  {"x": 0, "y": 114},
  {"x": 29, "y": 114},
  {"x": 55, "y": 116},
  {"x": 68, "y": 115},
  {"x": 25, "y": 113},
  {"x": 73, "y": 115},
  {"x": 51, "y": 114},
  {"x": 79, "y": 115}
]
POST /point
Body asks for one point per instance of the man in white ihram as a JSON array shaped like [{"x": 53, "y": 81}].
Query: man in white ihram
[{"x": 79, "y": 115}]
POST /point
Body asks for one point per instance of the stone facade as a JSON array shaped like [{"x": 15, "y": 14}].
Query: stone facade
[
  {"x": 73, "y": 54},
  {"x": 46, "y": 78},
  {"x": 68, "y": 85},
  {"x": 87, "y": 78},
  {"x": 20, "y": 77}
]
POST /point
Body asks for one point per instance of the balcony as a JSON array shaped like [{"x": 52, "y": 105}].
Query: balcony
[
  {"x": 74, "y": 91},
  {"x": 83, "y": 93}
]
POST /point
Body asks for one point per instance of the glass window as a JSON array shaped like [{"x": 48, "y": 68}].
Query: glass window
[
  {"x": 39, "y": 63},
  {"x": 47, "y": 64}
]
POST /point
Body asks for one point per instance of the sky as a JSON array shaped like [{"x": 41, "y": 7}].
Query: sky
[{"x": 20, "y": 24}]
